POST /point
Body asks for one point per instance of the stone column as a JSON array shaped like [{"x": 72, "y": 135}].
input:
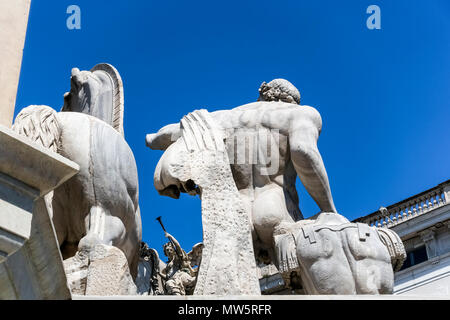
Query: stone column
[
  {"x": 13, "y": 26},
  {"x": 447, "y": 194},
  {"x": 428, "y": 238}
]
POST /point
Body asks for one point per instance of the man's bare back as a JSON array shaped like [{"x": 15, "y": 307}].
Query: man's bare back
[
  {"x": 267, "y": 188},
  {"x": 269, "y": 143},
  {"x": 258, "y": 143}
]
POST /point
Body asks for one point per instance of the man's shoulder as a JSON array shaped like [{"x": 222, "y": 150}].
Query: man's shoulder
[
  {"x": 298, "y": 110},
  {"x": 306, "y": 111},
  {"x": 308, "y": 114},
  {"x": 293, "y": 112}
]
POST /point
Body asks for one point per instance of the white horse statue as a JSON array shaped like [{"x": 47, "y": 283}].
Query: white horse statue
[{"x": 100, "y": 204}]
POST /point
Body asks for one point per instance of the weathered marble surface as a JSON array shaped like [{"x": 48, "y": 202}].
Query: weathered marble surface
[
  {"x": 100, "y": 204},
  {"x": 330, "y": 255},
  {"x": 25, "y": 177},
  {"x": 33, "y": 266},
  {"x": 35, "y": 271},
  {"x": 99, "y": 93},
  {"x": 101, "y": 270},
  {"x": 13, "y": 27},
  {"x": 30, "y": 162},
  {"x": 228, "y": 265},
  {"x": 267, "y": 145}
]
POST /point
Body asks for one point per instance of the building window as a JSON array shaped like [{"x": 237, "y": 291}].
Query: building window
[{"x": 414, "y": 257}]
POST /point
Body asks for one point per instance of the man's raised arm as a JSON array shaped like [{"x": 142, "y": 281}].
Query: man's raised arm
[
  {"x": 164, "y": 137},
  {"x": 308, "y": 162}
]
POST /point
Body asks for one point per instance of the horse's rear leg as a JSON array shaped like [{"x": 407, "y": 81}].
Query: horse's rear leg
[
  {"x": 94, "y": 264},
  {"x": 101, "y": 228}
]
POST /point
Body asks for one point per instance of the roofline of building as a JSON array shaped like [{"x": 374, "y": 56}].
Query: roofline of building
[{"x": 397, "y": 204}]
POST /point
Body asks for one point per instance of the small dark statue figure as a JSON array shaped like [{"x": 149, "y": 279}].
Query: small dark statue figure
[{"x": 180, "y": 273}]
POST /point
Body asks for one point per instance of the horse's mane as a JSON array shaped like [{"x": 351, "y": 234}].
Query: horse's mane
[
  {"x": 39, "y": 124},
  {"x": 117, "y": 91}
]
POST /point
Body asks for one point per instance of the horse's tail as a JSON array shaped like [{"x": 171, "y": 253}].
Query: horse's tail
[
  {"x": 394, "y": 245},
  {"x": 39, "y": 123}
]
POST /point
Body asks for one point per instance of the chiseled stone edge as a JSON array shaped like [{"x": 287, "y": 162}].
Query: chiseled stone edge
[
  {"x": 239, "y": 299},
  {"x": 26, "y": 166},
  {"x": 32, "y": 164}
]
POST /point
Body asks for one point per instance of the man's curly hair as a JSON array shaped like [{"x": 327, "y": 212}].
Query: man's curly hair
[{"x": 279, "y": 90}]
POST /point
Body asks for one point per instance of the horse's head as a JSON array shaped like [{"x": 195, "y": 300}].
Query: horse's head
[
  {"x": 193, "y": 161},
  {"x": 98, "y": 92},
  {"x": 172, "y": 172},
  {"x": 85, "y": 89}
]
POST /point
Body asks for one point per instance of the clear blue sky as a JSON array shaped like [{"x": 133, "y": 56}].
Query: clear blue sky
[{"x": 383, "y": 94}]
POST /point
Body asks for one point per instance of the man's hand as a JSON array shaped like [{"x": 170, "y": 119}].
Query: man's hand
[{"x": 164, "y": 137}]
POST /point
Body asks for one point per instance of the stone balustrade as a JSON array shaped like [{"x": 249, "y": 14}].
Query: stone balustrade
[{"x": 410, "y": 208}]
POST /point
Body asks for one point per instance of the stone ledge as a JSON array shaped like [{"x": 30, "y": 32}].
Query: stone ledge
[
  {"x": 31, "y": 265},
  {"x": 32, "y": 164},
  {"x": 269, "y": 297}
]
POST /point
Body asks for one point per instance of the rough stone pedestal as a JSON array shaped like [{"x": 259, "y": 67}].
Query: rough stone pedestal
[{"x": 103, "y": 270}]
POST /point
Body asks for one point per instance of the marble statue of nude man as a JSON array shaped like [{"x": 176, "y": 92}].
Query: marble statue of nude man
[{"x": 270, "y": 196}]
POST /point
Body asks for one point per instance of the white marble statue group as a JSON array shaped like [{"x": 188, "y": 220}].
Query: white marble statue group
[{"x": 242, "y": 162}]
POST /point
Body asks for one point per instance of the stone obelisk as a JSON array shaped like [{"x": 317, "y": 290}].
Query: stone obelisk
[
  {"x": 13, "y": 27},
  {"x": 31, "y": 264}
]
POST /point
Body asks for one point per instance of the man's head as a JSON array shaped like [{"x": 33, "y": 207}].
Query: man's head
[
  {"x": 279, "y": 90},
  {"x": 85, "y": 88}
]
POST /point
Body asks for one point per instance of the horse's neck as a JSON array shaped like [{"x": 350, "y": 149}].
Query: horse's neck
[{"x": 102, "y": 107}]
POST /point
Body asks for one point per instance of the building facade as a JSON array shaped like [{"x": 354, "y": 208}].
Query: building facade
[{"x": 422, "y": 222}]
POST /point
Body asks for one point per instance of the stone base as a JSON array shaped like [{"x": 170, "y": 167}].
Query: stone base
[
  {"x": 30, "y": 261},
  {"x": 239, "y": 299},
  {"x": 101, "y": 271}
]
